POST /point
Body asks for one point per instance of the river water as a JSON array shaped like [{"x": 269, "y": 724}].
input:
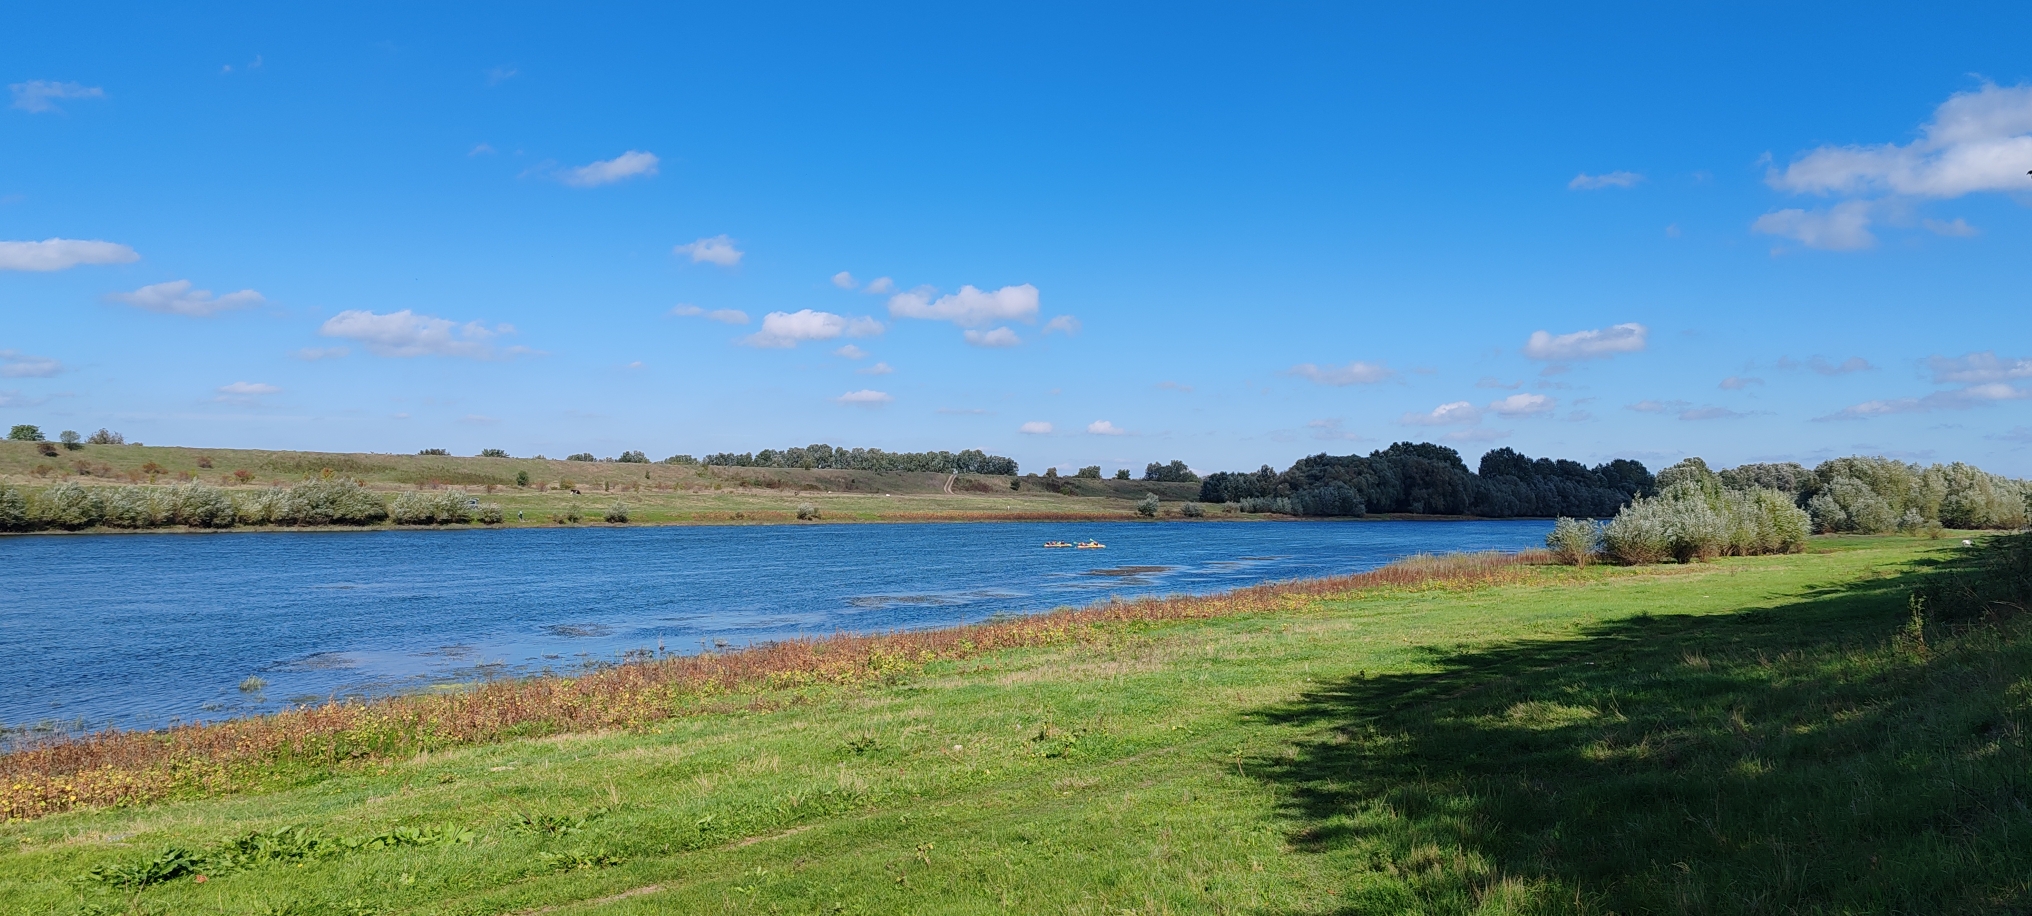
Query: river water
[{"x": 146, "y": 630}]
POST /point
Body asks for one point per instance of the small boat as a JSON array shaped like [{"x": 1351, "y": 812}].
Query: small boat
[
  {"x": 1058, "y": 543},
  {"x": 1090, "y": 545}
]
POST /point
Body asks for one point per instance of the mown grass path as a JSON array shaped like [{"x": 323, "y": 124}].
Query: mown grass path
[{"x": 1748, "y": 736}]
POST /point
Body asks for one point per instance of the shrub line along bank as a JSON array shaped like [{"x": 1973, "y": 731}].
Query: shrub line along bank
[{"x": 118, "y": 768}]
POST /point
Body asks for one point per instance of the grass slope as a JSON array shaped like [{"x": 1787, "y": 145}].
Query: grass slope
[
  {"x": 654, "y": 493},
  {"x": 1773, "y": 734}
]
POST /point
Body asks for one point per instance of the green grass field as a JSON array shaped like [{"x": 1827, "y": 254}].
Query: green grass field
[
  {"x": 1766, "y": 735},
  {"x": 653, "y": 493}
]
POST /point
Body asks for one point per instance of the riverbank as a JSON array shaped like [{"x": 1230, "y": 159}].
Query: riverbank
[{"x": 1764, "y": 734}]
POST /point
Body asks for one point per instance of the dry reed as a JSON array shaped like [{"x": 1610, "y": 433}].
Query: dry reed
[{"x": 125, "y": 767}]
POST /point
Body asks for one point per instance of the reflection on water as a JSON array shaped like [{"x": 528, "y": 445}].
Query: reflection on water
[{"x": 149, "y": 629}]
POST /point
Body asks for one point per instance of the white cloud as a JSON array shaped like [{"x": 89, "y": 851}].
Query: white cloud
[
  {"x": 1957, "y": 399},
  {"x": 1587, "y": 182},
  {"x": 999, "y": 337},
  {"x": 880, "y": 285},
  {"x": 865, "y": 397},
  {"x": 38, "y": 95},
  {"x": 970, "y": 307},
  {"x": 1842, "y": 227},
  {"x": 631, "y": 164},
  {"x": 1596, "y": 344},
  {"x": 844, "y": 280},
  {"x": 1738, "y": 383},
  {"x": 876, "y": 369},
  {"x": 723, "y": 316},
  {"x": 313, "y": 354},
  {"x": 245, "y": 391},
  {"x": 498, "y": 75},
  {"x": 1823, "y": 366},
  {"x": 716, "y": 250},
  {"x": 1523, "y": 405},
  {"x": 1977, "y": 368},
  {"x": 1977, "y": 141},
  {"x": 851, "y": 352},
  {"x": 1457, "y": 413},
  {"x": 788, "y": 329},
  {"x": 1035, "y": 428},
  {"x": 1957, "y": 228},
  {"x": 1711, "y": 413},
  {"x": 1490, "y": 381},
  {"x": 62, "y": 254},
  {"x": 407, "y": 334},
  {"x": 1355, "y": 373},
  {"x": 1651, "y": 406},
  {"x": 1105, "y": 428},
  {"x": 16, "y": 364},
  {"x": 1063, "y": 324},
  {"x": 178, "y": 298}
]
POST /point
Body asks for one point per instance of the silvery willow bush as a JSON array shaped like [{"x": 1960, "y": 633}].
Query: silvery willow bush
[
  {"x": 334, "y": 501},
  {"x": 430, "y": 507},
  {"x": 1696, "y": 518},
  {"x": 1574, "y": 541}
]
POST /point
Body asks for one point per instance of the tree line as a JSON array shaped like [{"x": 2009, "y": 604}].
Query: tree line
[
  {"x": 827, "y": 458},
  {"x": 1427, "y": 479}
]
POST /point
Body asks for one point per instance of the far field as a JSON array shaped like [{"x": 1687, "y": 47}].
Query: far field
[
  {"x": 1781, "y": 734},
  {"x": 653, "y": 493}
]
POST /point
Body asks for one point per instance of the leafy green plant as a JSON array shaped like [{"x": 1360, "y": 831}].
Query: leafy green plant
[
  {"x": 807, "y": 512},
  {"x": 1574, "y": 541},
  {"x": 617, "y": 513},
  {"x": 25, "y": 432},
  {"x": 1147, "y": 506}
]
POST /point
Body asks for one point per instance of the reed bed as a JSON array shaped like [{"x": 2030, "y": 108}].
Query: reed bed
[{"x": 118, "y": 768}]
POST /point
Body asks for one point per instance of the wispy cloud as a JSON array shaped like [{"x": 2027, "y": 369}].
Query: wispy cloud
[
  {"x": 1842, "y": 227},
  {"x": 866, "y": 397},
  {"x": 1035, "y": 428},
  {"x": 178, "y": 298},
  {"x": 244, "y": 392},
  {"x": 879, "y": 286},
  {"x": 1738, "y": 383},
  {"x": 1105, "y": 428},
  {"x": 1955, "y": 399},
  {"x": 631, "y": 164},
  {"x": 1821, "y": 365},
  {"x": 1490, "y": 381},
  {"x": 1063, "y": 324},
  {"x": 16, "y": 364},
  {"x": 1955, "y": 228},
  {"x": 851, "y": 352},
  {"x": 788, "y": 329},
  {"x": 1601, "y": 343},
  {"x": 1354, "y": 373},
  {"x": 1455, "y": 413},
  {"x": 876, "y": 369},
  {"x": 62, "y": 254},
  {"x": 723, "y": 316},
  {"x": 313, "y": 354},
  {"x": 719, "y": 250},
  {"x": 999, "y": 337},
  {"x": 41, "y": 96},
  {"x": 1587, "y": 182},
  {"x": 970, "y": 307},
  {"x": 498, "y": 75},
  {"x": 1523, "y": 405},
  {"x": 405, "y": 334},
  {"x": 1977, "y": 368},
  {"x": 1330, "y": 429},
  {"x": 1711, "y": 413}
]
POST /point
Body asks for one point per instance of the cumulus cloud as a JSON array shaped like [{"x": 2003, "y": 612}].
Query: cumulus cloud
[
  {"x": 1601, "y": 343},
  {"x": 16, "y": 364},
  {"x": 1105, "y": 428},
  {"x": 1457, "y": 413},
  {"x": 999, "y": 337},
  {"x": 788, "y": 329},
  {"x": 62, "y": 254},
  {"x": 851, "y": 352},
  {"x": 1063, "y": 324},
  {"x": 407, "y": 334},
  {"x": 880, "y": 285},
  {"x": 178, "y": 298},
  {"x": 631, "y": 164},
  {"x": 716, "y": 250},
  {"x": 876, "y": 369},
  {"x": 1523, "y": 405},
  {"x": 970, "y": 307},
  {"x": 866, "y": 397},
  {"x": 1738, "y": 383},
  {"x": 844, "y": 280},
  {"x": 723, "y": 316},
  {"x": 1977, "y": 368},
  {"x": 1956, "y": 399},
  {"x": 1587, "y": 182},
  {"x": 1977, "y": 141},
  {"x": 1354, "y": 373},
  {"x": 40, "y": 96},
  {"x": 1842, "y": 227},
  {"x": 1035, "y": 428}
]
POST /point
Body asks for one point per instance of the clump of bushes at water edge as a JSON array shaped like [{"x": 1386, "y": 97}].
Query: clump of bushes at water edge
[{"x": 70, "y": 506}]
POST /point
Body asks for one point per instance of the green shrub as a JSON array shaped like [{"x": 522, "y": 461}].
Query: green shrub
[
  {"x": 441, "y": 452},
  {"x": 14, "y": 511},
  {"x": 337, "y": 501},
  {"x": 633, "y": 458},
  {"x": 807, "y": 511},
  {"x": 1121, "y": 473},
  {"x": 25, "y": 432},
  {"x": 493, "y": 453},
  {"x": 1192, "y": 510},
  {"x": 1147, "y": 506},
  {"x": 1637, "y": 535},
  {"x": 70, "y": 439},
  {"x": 1574, "y": 541},
  {"x": 134, "y": 507},
  {"x": 617, "y": 513},
  {"x": 106, "y": 437},
  {"x": 522, "y": 478},
  {"x": 582, "y": 456},
  {"x": 490, "y": 514},
  {"x": 68, "y": 506},
  {"x": 200, "y": 506},
  {"x": 430, "y": 507},
  {"x": 680, "y": 459},
  {"x": 1697, "y": 519},
  {"x": 1090, "y": 472}
]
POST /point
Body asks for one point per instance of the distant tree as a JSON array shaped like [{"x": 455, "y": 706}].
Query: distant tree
[
  {"x": 633, "y": 458},
  {"x": 1090, "y": 472},
  {"x": 1121, "y": 473},
  {"x": 434, "y": 451},
  {"x": 106, "y": 437},
  {"x": 24, "y": 432},
  {"x": 493, "y": 453},
  {"x": 1015, "y": 483},
  {"x": 1175, "y": 472},
  {"x": 582, "y": 456},
  {"x": 70, "y": 439},
  {"x": 522, "y": 478},
  {"x": 1050, "y": 473},
  {"x": 1147, "y": 507},
  {"x": 680, "y": 459}
]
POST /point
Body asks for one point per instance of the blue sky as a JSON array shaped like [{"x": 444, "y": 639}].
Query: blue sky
[{"x": 1230, "y": 235}]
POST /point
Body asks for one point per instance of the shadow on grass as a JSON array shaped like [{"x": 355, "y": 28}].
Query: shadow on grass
[{"x": 1824, "y": 755}]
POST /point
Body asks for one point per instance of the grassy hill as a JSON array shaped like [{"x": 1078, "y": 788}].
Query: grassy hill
[
  {"x": 654, "y": 493},
  {"x": 1785, "y": 734}
]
